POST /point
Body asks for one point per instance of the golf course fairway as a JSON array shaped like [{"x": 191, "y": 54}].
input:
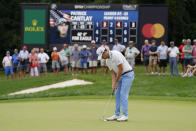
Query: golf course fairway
[{"x": 85, "y": 114}]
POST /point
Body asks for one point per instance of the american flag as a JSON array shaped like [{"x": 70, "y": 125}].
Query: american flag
[{"x": 65, "y": 16}]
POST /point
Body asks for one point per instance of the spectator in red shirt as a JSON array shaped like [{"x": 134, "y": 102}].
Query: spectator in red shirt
[
  {"x": 182, "y": 54},
  {"x": 33, "y": 59}
]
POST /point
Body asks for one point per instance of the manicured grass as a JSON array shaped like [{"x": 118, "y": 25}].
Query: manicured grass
[
  {"x": 144, "y": 85},
  {"x": 84, "y": 115}
]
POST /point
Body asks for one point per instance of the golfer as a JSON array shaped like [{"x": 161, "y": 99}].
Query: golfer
[{"x": 122, "y": 79}]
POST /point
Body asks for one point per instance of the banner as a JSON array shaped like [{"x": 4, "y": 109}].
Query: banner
[
  {"x": 153, "y": 23},
  {"x": 34, "y": 26}
]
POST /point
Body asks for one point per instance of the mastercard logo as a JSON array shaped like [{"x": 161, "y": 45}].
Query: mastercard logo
[{"x": 153, "y": 30}]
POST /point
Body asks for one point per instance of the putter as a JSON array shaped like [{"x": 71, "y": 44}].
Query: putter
[{"x": 107, "y": 105}]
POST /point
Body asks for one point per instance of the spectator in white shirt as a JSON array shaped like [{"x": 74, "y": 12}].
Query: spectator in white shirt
[
  {"x": 131, "y": 53},
  {"x": 43, "y": 60},
  {"x": 103, "y": 61},
  {"x": 23, "y": 57},
  {"x": 173, "y": 58},
  {"x": 162, "y": 56},
  {"x": 7, "y": 64}
]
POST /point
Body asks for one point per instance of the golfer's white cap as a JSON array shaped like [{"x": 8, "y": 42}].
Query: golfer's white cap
[
  {"x": 54, "y": 48},
  {"x": 93, "y": 41},
  {"x": 100, "y": 51},
  {"x": 194, "y": 40},
  {"x": 84, "y": 46}
]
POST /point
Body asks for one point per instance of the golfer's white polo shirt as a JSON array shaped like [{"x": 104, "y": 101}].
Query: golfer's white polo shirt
[{"x": 116, "y": 58}]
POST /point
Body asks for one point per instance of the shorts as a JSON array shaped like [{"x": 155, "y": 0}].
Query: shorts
[
  {"x": 23, "y": 65},
  {"x": 103, "y": 62},
  {"x": 64, "y": 63},
  {"x": 42, "y": 67},
  {"x": 8, "y": 70},
  {"x": 55, "y": 64},
  {"x": 75, "y": 64},
  {"x": 146, "y": 60},
  {"x": 93, "y": 63},
  {"x": 83, "y": 65},
  {"x": 188, "y": 62},
  {"x": 163, "y": 63},
  {"x": 131, "y": 61},
  {"x": 15, "y": 67},
  {"x": 153, "y": 60},
  {"x": 182, "y": 61}
]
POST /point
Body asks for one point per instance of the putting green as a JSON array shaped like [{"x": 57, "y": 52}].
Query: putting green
[{"x": 84, "y": 115}]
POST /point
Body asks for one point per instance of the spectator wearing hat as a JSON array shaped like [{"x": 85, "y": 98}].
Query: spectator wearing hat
[
  {"x": 33, "y": 59},
  {"x": 84, "y": 54},
  {"x": 153, "y": 57},
  {"x": 15, "y": 61},
  {"x": 64, "y": 59},
  {"x": 75, "y": 59},
  {"x": 194, "y": 50},
  {"x": 118, "y": 47},
  {"x": 182, "y": 54},
  {"x": 55, "y": 61},
  {"x": 43, "y": 59},
  {"x": 131, "y": 53},
  {"x": 7, "y": 64},
  {"x": 24, "y": 61},
  {"x": 103, "y": 61},
  {"x": 93, "y": 57},
  {"x": 173, "y": 58},
  {"x": 145, "y": 54},
  {"x": 162, "y": 56},
  {"x": 188, "y": 50}
]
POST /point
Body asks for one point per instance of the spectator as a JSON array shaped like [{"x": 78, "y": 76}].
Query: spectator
[
  {"x": 7, "y": 64},
  {"x": 103, "y": 61},
  {"x": 84, "y": 54},
  {"x": 24, "y": 63},
  {"x": 153, "y": 57},
  {"x": 33, "y": 59},
  {"x": 68, "y": 53},
  {"x": 162, "y": 56},
  {"x": 93, "y": 58},
  {"x": 55, "y": 61},
  {"x": 64, "y": 59},
  {"x": 145, "y": 54},
  {"x": 43, "y": 59},
  {"x": 194, "y": 50},
  {"x": 173, "y": 58},
  {"x": 191, "y": 70},
  {"x": 188, "y": 50},
  {"x": 118, "y": 47},
  {"x": 75, "y": 58},
  {"x": 182, "y": 54},
  {"x": 15, "y": 61},
  {"x": 131, "y": 53}
]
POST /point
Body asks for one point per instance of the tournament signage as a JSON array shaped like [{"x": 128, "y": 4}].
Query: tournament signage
[
  {"x": 153, "y": 23},
  {"x": 34, "y": 26},
  {"x": 98, "y": 23}
]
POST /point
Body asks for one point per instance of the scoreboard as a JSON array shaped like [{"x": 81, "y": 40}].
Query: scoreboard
[
  {"x": 49, "y": 25},
  {"x": 98, "y": 25}
]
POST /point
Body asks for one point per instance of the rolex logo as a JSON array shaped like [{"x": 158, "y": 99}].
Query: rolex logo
[{"x": 34, "y": 22}]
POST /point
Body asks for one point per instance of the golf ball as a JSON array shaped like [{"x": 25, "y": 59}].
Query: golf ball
[{"x": 105, "y": 120}]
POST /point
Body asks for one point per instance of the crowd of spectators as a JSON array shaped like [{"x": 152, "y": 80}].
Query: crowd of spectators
[{"x": 82, "y": 57}]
